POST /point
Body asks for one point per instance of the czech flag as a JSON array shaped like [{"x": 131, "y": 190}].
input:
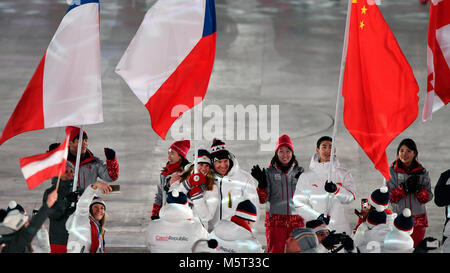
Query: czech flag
[
  {"x": 38, "y": 168},
  {"x": 169, "y": 61},
  {"x": 66, "y": 86}
]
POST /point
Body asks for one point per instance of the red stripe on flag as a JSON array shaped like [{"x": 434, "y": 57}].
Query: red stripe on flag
[
  {"x": 49, "y": 172},
  {"x": 27, "y": 160},
  {"x": 28, "y": 114},
  {"x": 189, "y": 80}
]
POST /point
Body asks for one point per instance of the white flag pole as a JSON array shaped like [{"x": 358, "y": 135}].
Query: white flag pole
[
  {"x": 338, "y": 96},
  {"x": 77, "y": 166}
]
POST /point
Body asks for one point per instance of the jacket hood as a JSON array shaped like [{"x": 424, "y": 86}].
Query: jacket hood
[
  {"x": 173, "y": 212},
  {"x": 229, "y": 231},
  {"x": 316, "y": 165}
]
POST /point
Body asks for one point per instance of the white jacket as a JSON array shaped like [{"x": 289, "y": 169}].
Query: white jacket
[
  {"x": 311, "y": 199},
  {"x": 176, "y": 230},
  {"x": 232, "y": 238},
  {"x": 205, "y": 207},
  {"x": 235, "y": 187},
  {"x": 371, "y": 240},
  {"x": 397, "y": 241},
  {"x": 79, "y": 226}
]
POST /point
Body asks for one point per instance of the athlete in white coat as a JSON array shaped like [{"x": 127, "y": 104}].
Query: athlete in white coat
[
  {"x": 235, "y": 185},
  {"x": 311, "y": 197},
  {"x": 86, "y": 224},
  {"x": 177, "y": 229},
  {"x": 235, "y": 235}
]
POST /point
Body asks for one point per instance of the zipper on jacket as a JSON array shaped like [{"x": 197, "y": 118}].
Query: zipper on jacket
[
  {"x": 221, "y": 196},
  {"x": 287, "y": 195}
]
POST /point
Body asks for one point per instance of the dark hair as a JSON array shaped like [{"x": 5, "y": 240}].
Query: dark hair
[
  {"x": 322, "y": 139},
  {"x": 276, "y": 160},
  {"x": 411, "y": 145}
]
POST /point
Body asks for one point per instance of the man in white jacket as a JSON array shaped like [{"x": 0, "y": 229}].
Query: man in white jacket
[
  {"x": 235, "y": 235},
  {"x": 314, "y": 195},
  {"x": 177, "y": 229},
  {"x": 235, "y": 185}
]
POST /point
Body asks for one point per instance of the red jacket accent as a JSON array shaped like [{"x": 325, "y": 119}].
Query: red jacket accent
[
  {"x": 113, "y": 168},
  {"x": 397, "y": 194},
  {"x": 281, "y": 220},
  {"x": 156, "y": 209},
  {"x": 94, "y": 237},
  {"x": 262, "y": 194},
  {"x": 423, "y": 196}
]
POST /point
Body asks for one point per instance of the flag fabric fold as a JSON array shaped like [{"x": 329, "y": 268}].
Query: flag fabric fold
[
  {"x": 65, "y": 89},
  {"x": 438, "y": 59},
  {"x": 169, "y": 61},
  {"x": 379, "y": 87},
  {"x": 38, "y": 168}
]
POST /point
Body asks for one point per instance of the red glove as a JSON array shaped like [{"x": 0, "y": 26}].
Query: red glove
[
  {"x": 195, "y": 193},
  {"x": 195, "y": 180}
]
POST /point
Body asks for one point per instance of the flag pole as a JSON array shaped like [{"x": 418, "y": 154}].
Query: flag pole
[
  {"x": 338, "y": 96},
  {"x": 196, "y": 139},
  {"x": 77, "y": 165}
]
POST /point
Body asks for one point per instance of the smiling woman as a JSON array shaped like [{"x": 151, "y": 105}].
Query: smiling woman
[{"x": 410, "y": 187}]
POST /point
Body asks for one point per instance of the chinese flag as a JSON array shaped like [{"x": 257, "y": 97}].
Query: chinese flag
[{"x": 379, "y": 87}]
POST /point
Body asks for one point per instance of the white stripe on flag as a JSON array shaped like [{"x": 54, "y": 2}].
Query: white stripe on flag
[
  {"x": 37, "y": 166},
  {"x": 168, "y": 33},
  {"x": 72, "y": 92}
]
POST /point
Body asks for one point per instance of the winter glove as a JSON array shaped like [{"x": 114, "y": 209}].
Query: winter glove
[
  {"x": 330, "y": 187},
  {"x": 427, "y": 244},
  {"x": 196, "y": 193},
  {"x": 348, "y": 244},
  {"x": 110, "y": 154},
  {"x": 324, "y": 219},
  {"x": 195, "y": 180},
  {"x": 331, "y": 240},
  {"x": 73, "y": 196},
  {"x": 412, "y": 183},
  {"x": 260, "y": 176},
  {"x": 53, "y": 146}
]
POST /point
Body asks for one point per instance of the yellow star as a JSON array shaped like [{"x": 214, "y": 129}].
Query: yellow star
[
  {"x": 354, "y": 1},
  {"x": 361, "y": 25},
  {"x": 363, "y": 10}
]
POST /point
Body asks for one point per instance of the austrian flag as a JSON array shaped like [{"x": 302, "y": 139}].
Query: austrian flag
[{"x": 38, "y": 168}]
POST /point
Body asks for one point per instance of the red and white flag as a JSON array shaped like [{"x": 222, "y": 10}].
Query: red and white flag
[
  {"x": 170, "y": 59},
  {"x": 66, "y": 86},
  {"x": 38, "y": 168},
  {"x": 438, "y": 58}
]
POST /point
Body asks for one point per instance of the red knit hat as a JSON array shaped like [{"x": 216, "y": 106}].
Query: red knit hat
[
  {"x": 284, "y": 140},
  {"x": 181, "y": 147},
  {"x": 75, "y": 132}
]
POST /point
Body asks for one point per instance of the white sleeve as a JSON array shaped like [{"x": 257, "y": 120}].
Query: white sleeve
[
  {"x": 80, "y": 228},
  {"x": 301, "y": 201},
  {"x": 206, "y": 207},
  {"x": 346, "y": 192}
]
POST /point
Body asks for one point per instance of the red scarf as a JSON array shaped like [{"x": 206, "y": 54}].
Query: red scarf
[
  {"x": 94, "y": 237},
  {"x": 171, "y": 168},
  {"x": 241, "y": 222}
]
